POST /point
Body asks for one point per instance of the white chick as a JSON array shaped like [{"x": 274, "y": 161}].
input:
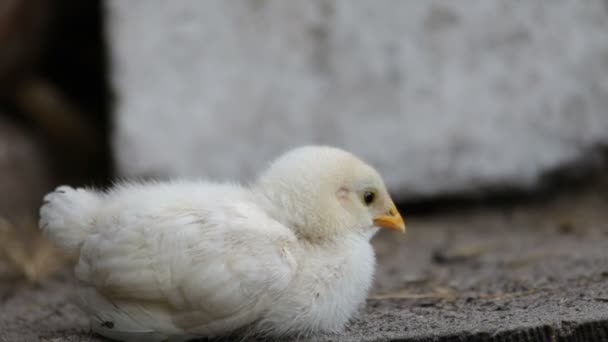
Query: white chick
[{"x": 288, "y": 255}]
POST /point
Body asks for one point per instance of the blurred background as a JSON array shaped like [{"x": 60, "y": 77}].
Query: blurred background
[{"x": 475, "y": 101}]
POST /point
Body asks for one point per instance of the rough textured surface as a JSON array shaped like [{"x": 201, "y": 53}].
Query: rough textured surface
[
  {"x": 517, "y": 273},
  {"x": 440, "y": 96}
]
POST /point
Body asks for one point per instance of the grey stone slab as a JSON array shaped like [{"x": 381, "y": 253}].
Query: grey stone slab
[
  {"x": 518, "y": 273},
  {"x": 442, "y": 96}
]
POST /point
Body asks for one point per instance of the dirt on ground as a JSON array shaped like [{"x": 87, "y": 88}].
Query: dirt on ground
[{"x": 520, "y": 272}]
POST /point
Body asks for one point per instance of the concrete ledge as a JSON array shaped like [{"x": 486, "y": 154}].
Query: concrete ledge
[{"x": 530, "y": 273}]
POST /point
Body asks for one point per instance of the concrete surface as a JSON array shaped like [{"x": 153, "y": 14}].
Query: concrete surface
[
  {"x": 535, "y": 272},
  {"x": 442, "y": 96}
]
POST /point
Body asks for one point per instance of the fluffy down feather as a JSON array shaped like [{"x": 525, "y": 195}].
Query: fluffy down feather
[{"x": 181, "y": 259}]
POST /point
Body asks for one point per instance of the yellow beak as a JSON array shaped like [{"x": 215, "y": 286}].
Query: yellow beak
[{"x": 391, "y": 220}]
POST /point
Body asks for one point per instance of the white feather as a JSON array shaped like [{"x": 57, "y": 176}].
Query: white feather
[{"x": 183, "y": 259}]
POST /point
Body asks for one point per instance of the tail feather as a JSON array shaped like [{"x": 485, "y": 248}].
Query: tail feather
[{"x": 67, "y": 216}]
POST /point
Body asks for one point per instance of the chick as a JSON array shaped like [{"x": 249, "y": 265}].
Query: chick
[{"x": 288, "y": 255}]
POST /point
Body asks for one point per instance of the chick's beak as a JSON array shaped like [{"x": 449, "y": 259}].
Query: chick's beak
[{"x": 391, "y": 220}]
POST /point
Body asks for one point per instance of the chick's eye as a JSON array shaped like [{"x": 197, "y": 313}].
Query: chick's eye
[{"x": 369, "y": 197}]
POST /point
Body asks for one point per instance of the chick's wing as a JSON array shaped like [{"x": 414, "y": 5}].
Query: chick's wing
[{"x": 209, "y": 269}]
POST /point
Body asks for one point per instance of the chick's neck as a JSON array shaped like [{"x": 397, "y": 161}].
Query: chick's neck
[{"x": 312, "y": 221}]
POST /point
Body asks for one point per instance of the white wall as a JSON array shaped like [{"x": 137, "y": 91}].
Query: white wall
[{"x": 441, "y": 96}]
